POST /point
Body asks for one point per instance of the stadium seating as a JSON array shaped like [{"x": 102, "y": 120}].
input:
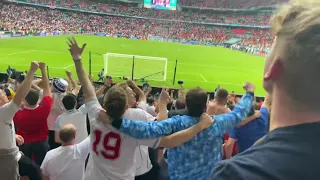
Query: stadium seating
[{"x": 31, "y": 19}]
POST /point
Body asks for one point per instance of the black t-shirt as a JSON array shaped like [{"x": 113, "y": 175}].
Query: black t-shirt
[{"x": 289, "y": 153}]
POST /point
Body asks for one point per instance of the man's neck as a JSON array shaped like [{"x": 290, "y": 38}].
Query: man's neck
[
  {"x": 284, "y": 113},
  {"x": 31, "y": 107},
  {"x": 67, "y": 144}
]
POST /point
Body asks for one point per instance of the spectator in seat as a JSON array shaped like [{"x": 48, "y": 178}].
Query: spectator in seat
[
  {"x": 199, "y": 163},
  {"x": 247, "y": 135},
  {"x": 67, "y": 161},
  {"x": 59, "y": 88},
  {"x": 74, "y": 116},
  {"x": 118, "y": 162},
  {"x": 9, "y": 151},
  {"x": 31, "y": 121},
  {"x": 290, "y": 149}
]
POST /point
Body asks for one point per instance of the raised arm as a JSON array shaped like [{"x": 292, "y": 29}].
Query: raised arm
[
  {"x": 249, "y": 119},
  {"x": 45, "y": 80},
  {"x": 25, "y": 86},
  {"x": 162, "y": 104},
  {"x": 147, "y": 130},
  {"x": 183, "y": 136},
  {"x": 75, "y": 86},
  {"x": 76, "y": 52},
  {"x": 226, "y": 122},
  {"x": 137, "y": 90}
]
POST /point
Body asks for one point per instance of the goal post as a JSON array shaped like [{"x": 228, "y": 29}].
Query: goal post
[{"x": 147, "y": 67}]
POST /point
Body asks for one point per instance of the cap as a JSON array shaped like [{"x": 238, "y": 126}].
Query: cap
[{"x": 60, "y": 85}]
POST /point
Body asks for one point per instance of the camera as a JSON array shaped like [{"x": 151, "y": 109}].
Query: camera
[{"x": 180, "y": 82}]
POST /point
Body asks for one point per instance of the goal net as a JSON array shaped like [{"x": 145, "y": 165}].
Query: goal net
[{"x": 150, "y": 68}]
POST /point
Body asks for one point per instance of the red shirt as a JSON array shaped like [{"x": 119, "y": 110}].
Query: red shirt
[
  {"x": 235, "y": 147},
  {"x": 32, "y": 123}
]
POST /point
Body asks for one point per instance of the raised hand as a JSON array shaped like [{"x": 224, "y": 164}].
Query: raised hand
[
  {"x": 74, "y": 49},
  {"x": 205, "y": 121},
  {"x": 34, "y": 66},
  {"x": 42, "y": 66},
  {"x": 68, "y": 73},
  {"x": 249, "y": 87},
  {"x": 130, "y": 82},
  {"x": 164, "y": 95}
]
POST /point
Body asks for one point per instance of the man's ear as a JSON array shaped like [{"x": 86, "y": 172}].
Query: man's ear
[
  {"x": 127, "y": 106},
  {"x": 276, "y": 69}
]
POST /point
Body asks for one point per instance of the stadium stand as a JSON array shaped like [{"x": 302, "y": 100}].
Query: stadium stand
[{"x": 46, "y": 122}]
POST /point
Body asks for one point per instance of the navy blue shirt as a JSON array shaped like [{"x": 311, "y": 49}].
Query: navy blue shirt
[
  {"x": 247, "y": 135},
  {"x": 288, "y": 153}
]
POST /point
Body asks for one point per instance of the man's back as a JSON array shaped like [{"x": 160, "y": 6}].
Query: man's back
[
  {"x": 66, "y": 162},
  {"x": 289, "y": 153},
  {"x": 112, "y": 155},
  {"x": 203, "y": 151},
  {"x": 32, "y": 123},
  {"x": 247, "y": 135},
  {"x": 76, "y": 117},
  {"x": 142, "y": 160}
]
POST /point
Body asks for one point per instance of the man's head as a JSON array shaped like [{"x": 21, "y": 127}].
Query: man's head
[
  {"x": 222, "y": 96},
  {"x": 196, "y": 101},
  {"x": 32, "y": 98},
  {"x": 180, "y": 103},
  {"x": 292, "y": 67},
  {"x": 69, "y": 101},
  {"x": 67, "y": 134},
  {"x": 60, "y": 85},
  {"x": 115, "y": 102},
  {"x": 3, "y": 98},
  {"x": 130, "y": 94}
]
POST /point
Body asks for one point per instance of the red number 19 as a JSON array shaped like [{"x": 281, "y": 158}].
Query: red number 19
[{"x": 106, "y": 147}]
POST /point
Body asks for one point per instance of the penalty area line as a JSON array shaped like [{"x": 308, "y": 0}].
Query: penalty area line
[
  {"x": 203, "y": 78},
  {"x": 68, "y": 66}
]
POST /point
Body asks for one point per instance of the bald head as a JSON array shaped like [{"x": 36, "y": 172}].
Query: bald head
[{"x": 67, "y": 133}]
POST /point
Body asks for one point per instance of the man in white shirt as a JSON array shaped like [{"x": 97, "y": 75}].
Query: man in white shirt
[
  {"x": 67, "y": 161},
  {"x": 74, "y": 116},
  {"x": 59, "y": 88},
  {"x": 112, "y": 155},
  {"x": 8, "y": 148}
]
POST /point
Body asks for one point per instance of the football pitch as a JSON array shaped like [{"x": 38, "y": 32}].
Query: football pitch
[{"x": 202, "y": 66}]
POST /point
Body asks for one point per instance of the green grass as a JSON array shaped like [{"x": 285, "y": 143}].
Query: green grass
[{"x": 197, "y": 65}]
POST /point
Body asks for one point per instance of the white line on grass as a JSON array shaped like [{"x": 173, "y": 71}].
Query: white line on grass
[
  {"x": 203, "y": 78},
  {"x": 68, "y": 66},
  {"x": 21, "y": 52}
]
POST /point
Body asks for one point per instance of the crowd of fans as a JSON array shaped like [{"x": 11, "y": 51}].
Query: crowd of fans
[
  {"x": 35, "y": 19},
  {"x": 203, "y": 16},
  {"x": 68, "y": 130},
  {"x": 230, "y": 4}
]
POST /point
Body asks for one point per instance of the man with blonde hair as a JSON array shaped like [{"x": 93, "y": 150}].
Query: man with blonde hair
[{"x": 290, "y": 150}]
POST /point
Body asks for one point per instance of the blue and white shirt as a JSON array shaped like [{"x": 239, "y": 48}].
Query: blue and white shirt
[{"x": 195, "y": 159}]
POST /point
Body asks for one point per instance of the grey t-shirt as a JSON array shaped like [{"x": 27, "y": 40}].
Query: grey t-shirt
[{"x": 289, "y": 153}]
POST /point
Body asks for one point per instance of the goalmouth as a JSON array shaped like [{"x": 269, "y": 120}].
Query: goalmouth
[{"x": 135, "y": 66}]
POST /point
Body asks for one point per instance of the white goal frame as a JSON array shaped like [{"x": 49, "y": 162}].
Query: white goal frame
[{"x": 107, "y": 55}]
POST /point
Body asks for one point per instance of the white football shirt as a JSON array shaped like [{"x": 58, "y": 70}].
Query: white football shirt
[
  {"x": 66, "y": 162},
  {"x": 112, "y": 156},
  {"x": 77, "y": 117},
  {"x": 8, "y": 133},
  {"x": 143, "y": 163}
]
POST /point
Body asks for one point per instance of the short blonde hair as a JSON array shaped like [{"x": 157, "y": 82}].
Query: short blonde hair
[{"x": 297, "y": 29}]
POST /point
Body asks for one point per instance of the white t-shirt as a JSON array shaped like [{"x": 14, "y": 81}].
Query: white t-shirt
[
  {"x": 112, "y": 156},
  {"x": 77, "y": 117},
  {"x": 143, "y": 163},
  {"x": 66, "y": 162},
  {"x": 8, "y": 133}
]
